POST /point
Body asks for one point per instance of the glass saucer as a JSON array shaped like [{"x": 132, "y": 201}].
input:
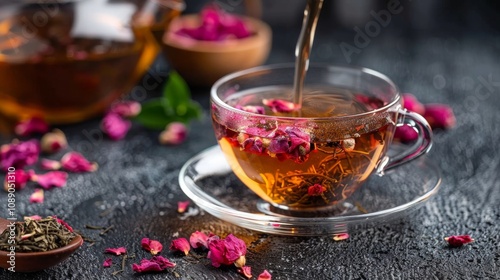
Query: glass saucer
[{"x": 208, "y": 180}]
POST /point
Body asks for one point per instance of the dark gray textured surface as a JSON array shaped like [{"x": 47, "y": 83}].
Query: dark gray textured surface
[{"x": 137, "y": 186}]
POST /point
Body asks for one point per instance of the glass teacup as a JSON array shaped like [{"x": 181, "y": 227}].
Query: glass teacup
[{"x": 313, "y": 157}]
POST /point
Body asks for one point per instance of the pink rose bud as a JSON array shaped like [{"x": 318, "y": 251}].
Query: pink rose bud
[
  {"x": 280, "y": 106},
  {"x": 19, "y": 154},
  {"x": 152, "y": 246},
  {"x": 116, "y": 251},
  {"x": 246, "y": 271},
  {"x": 180, "y": 244},
  {"x": 16, "y": 180},
  {"x": 198, "y": 239},
  {"x": 37, "y": 196},
  {"x": 340, "y": 236},
  {"x": 439, "y": 116},
  {"x": 411, "y": 103},
  {"x": 175, "y": 133},
  {"x": 53, "y": 142},
  {"x": 48, "y": 164},
  {"x": 31, "y": 126},
  {"x": 405, "y": 134},
  {"x": 126, "y": 109},
  {"x": 107, "y": 262},
  {"x": 50, "y": 179},
  {"x": 264, "y": 275},
  {"x": 115, "y": 126},
  {"x": 230, "y": 250},
  {"x": 75, "y": 162},
  {"x": 182, "y": 206},
  {"x": 458, "y": 240},
  {"x": 155, "y": 264}
]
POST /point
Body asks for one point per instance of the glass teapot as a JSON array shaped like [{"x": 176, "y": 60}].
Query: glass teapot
[{"x": 68, "y": 60}]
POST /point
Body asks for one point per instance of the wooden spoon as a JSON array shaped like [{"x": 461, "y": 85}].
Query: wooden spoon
[{"x": 30, "y": 262}]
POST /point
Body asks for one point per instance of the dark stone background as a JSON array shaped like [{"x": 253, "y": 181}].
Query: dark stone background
[{"x": 448, "y": 53}]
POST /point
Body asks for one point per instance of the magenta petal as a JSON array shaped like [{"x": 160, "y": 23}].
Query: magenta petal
[
  {"x": 198, "y": 239},
  {"x": 19, "y": 154},
  {"x": 251, "y": 109},
  {"x": 116, "y": 251},
  {"x": 62, "y": 222},
  {"x": 146, "y": 266},
  {"x": 265, "y": 275},
  {"x": 30, "y": 126},
  {"x": 235, "y": 248},
  {"x": 175, "y": 133},
  {"x": 153, "y": 246},
  {"x": 51, "y": 179},
  {"x": 107, "y": 262},
  {"x": 440, "y": 116},
  {"x": 182, "y": 206},
  {"x": 126, "y": 109},
  {"x": 279, "y": 106},
  {"x": 217, "y": 249},
  {"x": 246, "y": 271},
  {"x": 75, "y": 162},
  {"x": 458, "y": 240},
  {"x": 405, "y": 134},
  {"x": 411, "y": 103},
  {"x": 115, "y": 126},
  {"x": 180, "y": 244},
  {"x": 48, "y": 164},
  {"x": 37, "y": 196},
  {"x": 16, "y": 179}
]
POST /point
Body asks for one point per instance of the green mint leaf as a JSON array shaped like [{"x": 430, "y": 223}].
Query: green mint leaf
[
  {"x": 176, "y": 94},
  {"x": 153, "y": 115}
]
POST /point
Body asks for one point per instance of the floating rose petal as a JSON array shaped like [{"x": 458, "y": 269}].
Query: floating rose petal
[
  {"x": 264, "y": 275},
  {"x": 245, "y": 271},
  {"x": 37, "y": 196},
  {"x": 53, "y": 142},
  {"x": 126, "y": 109},
  {"x": 411, "y": 103},
  {"x": 440, "y": 116},
  {"x": 116, "y": 251},
  {"x": 458, "y": 240},
  {"x": 230, "y": 250},
  {"x": 16, "y": 179},
  {"x": 316, "y": 190},
  {"x": 198, "y": 239},
  {"x": 182, "y": 206},
  {"x": 19, "y": 154},
  {"x": 107, "y": 262},
  {"x": 34, "y": 218},
  {"x": 349, "y": 144},
  {"x": 180, "y": 244},
  {"x": 157, "y": 263},
  {"x": 175, "y": 133},
  {"x": 48, "y": 164},
  {"x": 280, "y": 106},
  {"x": 62, "y": 222},
  {"x": 75, "y": 162},
  {"x": 115, "y": 126},
  {"x": 30, "y": 126},
  {"x": 340, "y": 236},
  {"x": 153, "y": 246},
  {"x": 405, "y": 134},
  {"x": 50, "y": 179},
  {"x": 251, "y": 109}
]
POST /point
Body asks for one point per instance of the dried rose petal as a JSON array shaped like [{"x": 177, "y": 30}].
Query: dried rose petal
[
  {"x": 439, "y": 116},
  {"x": 62, "y": 222},
  {"x": 19, "y": 154},
  {"x": 175, "y": 133},
  {"x": 37, "y": 196},
  {"x": 153, "y": 246},
  {"x": 115, "y": 126},
  {"x": 30, "y": 126},
  {"x": 157, "y": 263},
  {"x": 458, "y": 240},
  {"x": 198, "y": 239},
  {"x": 50, "y": 179},
  {"x": 411, "y": 103},
  {"x": 34, "y": 217},
  {"x": 180, "y": 244},
  {"x": 107, "y": 262},
  {"x": 230, "y": 250},
  {"x": 116, "y": 251},
  {"x": 182, "y": 206},
  {"x": 340, "y": 236},
  {"x": 251, "y": 109},
  {"x": 405, "y": 134},
  {"x": 75, "y": 162},
  {"x": 16, "y": 179},
  {"x": 53, "y": 142},
  {"x": 265, "y": 275},
  {"x": 316, "y": 190},
  {"x": 48, "y": 164},
  {"x": 245, "y": 271},
  {"x": 279, "y": 105},
  {"x": 126, "y": 109}
]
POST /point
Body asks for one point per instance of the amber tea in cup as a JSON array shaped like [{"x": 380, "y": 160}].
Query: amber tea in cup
[{"x": 315, "y": 156}]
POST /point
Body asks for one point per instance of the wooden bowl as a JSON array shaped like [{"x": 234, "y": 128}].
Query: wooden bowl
[{"x": 201, "y": 63}]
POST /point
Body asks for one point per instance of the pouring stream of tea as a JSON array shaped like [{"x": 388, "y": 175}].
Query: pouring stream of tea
[{"x": 303, "y": 48}]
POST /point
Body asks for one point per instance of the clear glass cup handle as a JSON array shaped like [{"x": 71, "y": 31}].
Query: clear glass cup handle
[{"x": 419, "y": 148}]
